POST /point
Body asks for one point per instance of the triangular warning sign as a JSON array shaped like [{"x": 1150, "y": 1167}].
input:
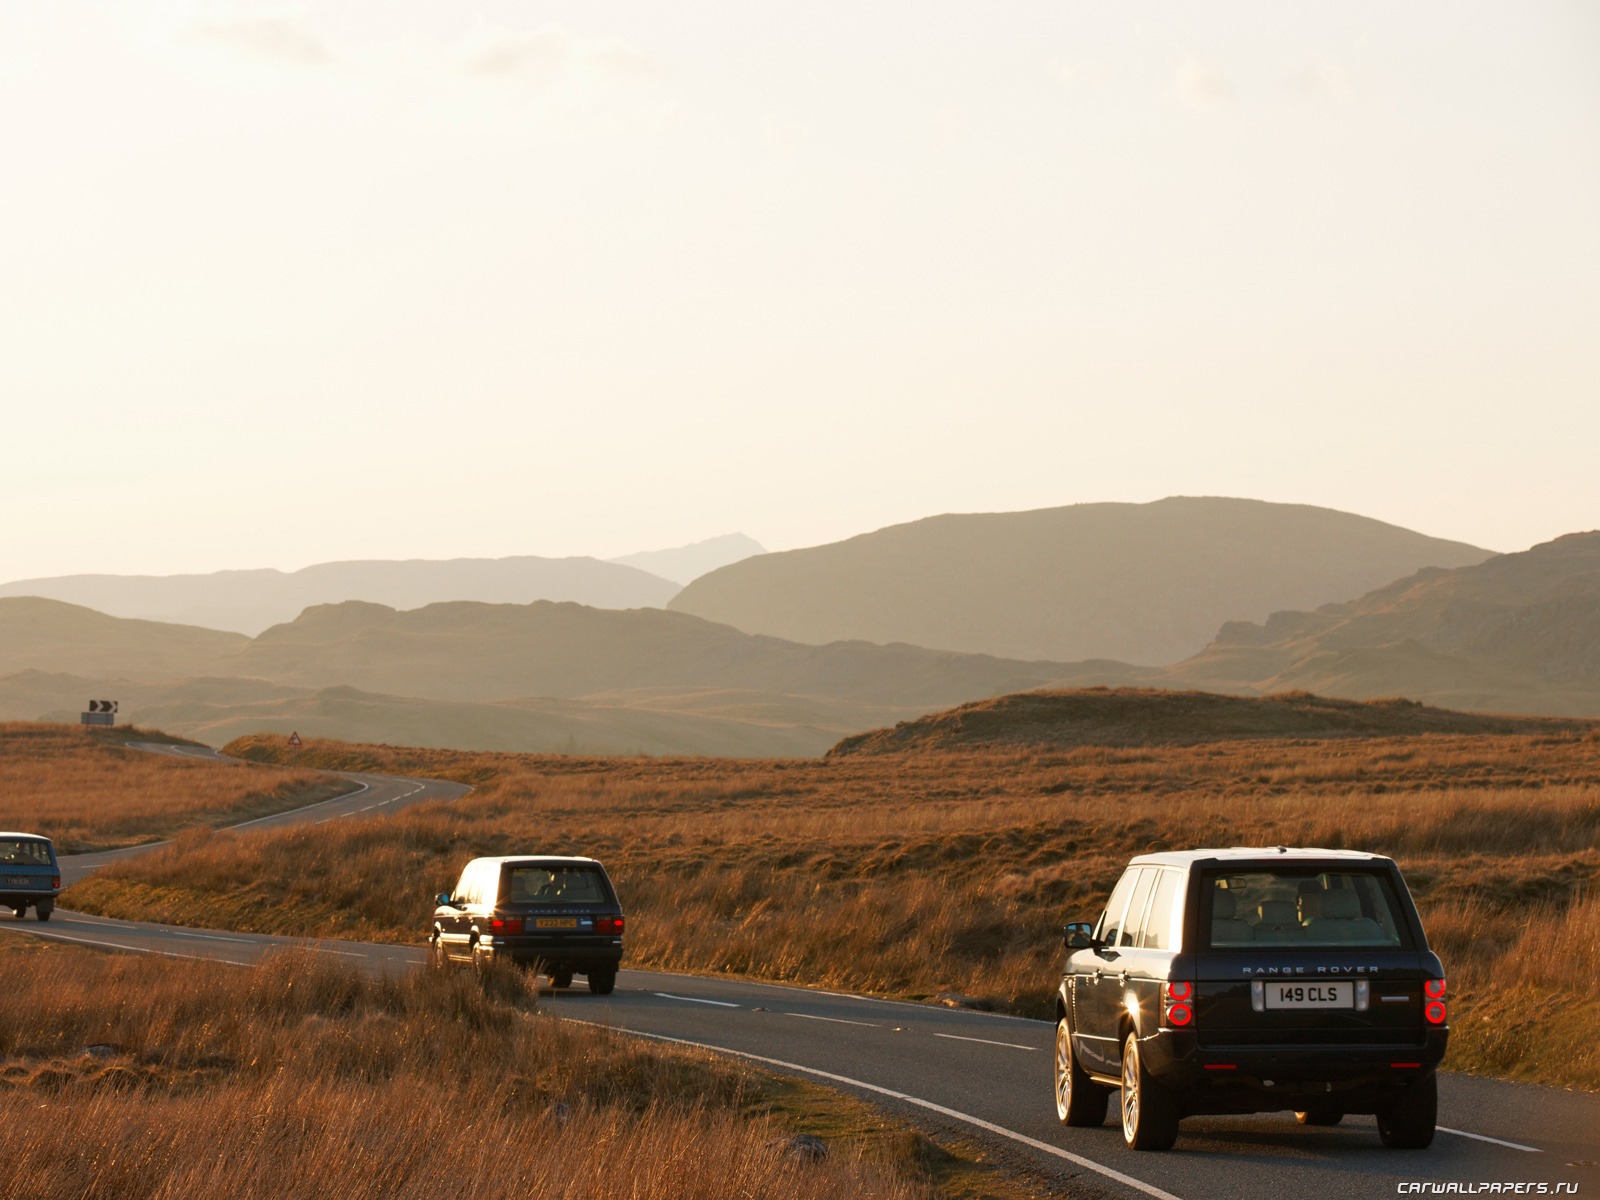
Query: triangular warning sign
[{"x": 294, "y": 739}]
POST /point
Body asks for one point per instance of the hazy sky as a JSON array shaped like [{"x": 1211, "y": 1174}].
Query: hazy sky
[{"x": 380, "y": 278}]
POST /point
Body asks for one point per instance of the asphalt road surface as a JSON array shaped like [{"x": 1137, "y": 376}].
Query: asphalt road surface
[{"x": 979, "y": 1076}]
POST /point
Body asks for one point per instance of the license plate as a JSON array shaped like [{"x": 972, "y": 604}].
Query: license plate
[
  {"x": 1311, "y": 995},
  {"x": 21, "y": 881},
  {"x": 555, "y": 922}
]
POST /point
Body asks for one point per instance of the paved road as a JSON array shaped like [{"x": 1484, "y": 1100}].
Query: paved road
[{"x": 983, "y": 1076}]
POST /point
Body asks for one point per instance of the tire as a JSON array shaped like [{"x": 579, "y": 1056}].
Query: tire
[
  {"x": 1149, "y": 1111},
  {"x": 480, "y": 961},
  {"x": 43, "y": 911},
  {"x": 21, "y": 910},
  {"x": 603, "y": 982},
  {"x": 1408, "y": 1123},
  {"x": 438, "y": 956},
  {"x": 1319, "y": 1116},
  {"x": 561, "y": 978},
  {"x": 1080, "y": 1101}
]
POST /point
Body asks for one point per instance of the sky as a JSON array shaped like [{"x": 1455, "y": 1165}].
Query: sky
[{"x": 287, "y": 283}]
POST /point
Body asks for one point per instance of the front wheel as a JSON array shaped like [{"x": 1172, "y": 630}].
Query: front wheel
[
  {"x": 1408, "y": 1123},
  {"x": 603, "y": 982},
  {"x": 438, "y": 956},
  {"x": 1149, "y": 1111},
  {"x": 1080, "y": 1100}
]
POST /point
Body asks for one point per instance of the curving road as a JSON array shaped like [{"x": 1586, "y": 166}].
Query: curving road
[{"x": 978, "y": 1076}]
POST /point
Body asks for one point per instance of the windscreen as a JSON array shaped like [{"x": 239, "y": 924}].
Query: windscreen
[
  {"x": 554, "y": 884},
  {"x": 24, "y": 852},
  {"x": 1302, "y": 909}
]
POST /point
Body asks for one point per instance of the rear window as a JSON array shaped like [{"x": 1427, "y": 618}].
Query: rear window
[
  {"x": 554, "y": 884},
  {"x": 1299, "y": 909},
  {"x": 24, "y": 852}
]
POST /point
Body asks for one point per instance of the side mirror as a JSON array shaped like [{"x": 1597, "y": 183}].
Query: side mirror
[
  {"x": 443, "y": 898},
  {"x": 1078, "y": 936}
]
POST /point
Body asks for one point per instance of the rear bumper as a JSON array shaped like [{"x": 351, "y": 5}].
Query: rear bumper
[
  {"x": 16, "y": 896},
  {"x": 1352, "y": 1078},
  {"x": 528, "y": 951}
]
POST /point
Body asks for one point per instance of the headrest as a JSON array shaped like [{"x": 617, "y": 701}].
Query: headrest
[
  {"x": 1223, "y": 905},
  {"x": 1277, "y": 912},
  {"x": 1343, "y": 905}
]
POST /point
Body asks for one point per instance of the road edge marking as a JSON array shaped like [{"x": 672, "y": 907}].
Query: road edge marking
[
  {"x": 1484, "y": 1137},
  {"x": 1077, "y": 1159},
  {"x": 956, "y": 1037}
]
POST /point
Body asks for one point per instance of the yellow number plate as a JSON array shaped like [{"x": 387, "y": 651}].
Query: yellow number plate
[{"x": 555, "y": 923}]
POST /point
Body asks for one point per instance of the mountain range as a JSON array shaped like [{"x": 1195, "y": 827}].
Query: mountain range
[{"x": 250, "y": 601}]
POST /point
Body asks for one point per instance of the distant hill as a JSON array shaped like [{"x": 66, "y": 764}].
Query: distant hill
[
  {"x": 217, "y": 710},
  {"x": 1518, "y": 633},
  {"x": 250, "y": 601},
  {"x": 468, "y": 651},
  {"x": 1140, "y": 583},
  {"x": 1146, "y": 716},
  {"x": 544, "y": 676},
  {"x": 685, "y": 563},
  {"x": 48, "y": 635}
]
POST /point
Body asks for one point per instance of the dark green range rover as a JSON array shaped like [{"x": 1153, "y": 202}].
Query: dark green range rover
[{"x": 1252, "y": 980}]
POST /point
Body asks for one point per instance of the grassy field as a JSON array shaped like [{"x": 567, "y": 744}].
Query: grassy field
[
  {"x": 88, "y": 791},
  {"x": 950, "y": 874},
  {"x": 123, "y": 1076}
]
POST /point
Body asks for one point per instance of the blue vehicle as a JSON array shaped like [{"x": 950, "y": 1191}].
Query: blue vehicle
[{"x": 29, "y": 874}]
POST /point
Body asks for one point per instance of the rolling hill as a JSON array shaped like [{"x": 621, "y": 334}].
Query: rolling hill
[
  {"x": 250, "y": 601},
  {"x": 1517, "y": 633},
  {"x": 1149, "y": 716},
  {"x": 1140, "y": 583}
]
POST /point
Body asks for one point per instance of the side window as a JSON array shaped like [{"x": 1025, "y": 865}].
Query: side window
[
  {"x": 1111, "y": 922},
  {"x": 1133, "y": 923},
  {"x": 1164, "y": 919},
  {"x": 463, "y": 886}
]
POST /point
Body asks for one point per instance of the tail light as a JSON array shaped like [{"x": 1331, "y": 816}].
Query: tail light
[
  {"x": 1177, "y": 1002},
  {"x": 55, "y": 881},
  {"x": 1433, "y": 1001},
  {"x": 505, "y": 925},
  {"x": 608, "y": 924}
]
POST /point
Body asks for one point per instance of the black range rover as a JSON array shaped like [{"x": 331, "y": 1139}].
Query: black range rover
[
  {"x": 558, "y": 913},
  {"x": 1252, "y": 980}
]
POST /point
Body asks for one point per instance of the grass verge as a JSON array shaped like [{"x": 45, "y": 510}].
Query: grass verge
[{"x": 141, "y": 1077}]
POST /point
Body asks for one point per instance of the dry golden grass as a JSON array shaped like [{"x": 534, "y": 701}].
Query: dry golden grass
[
  {"x": 953, "y": 872},
  {"x": 87, "y": 792},
  {"x": 145, "y": 1078}
]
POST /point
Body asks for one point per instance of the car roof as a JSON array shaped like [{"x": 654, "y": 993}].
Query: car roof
[
  {"x": 539, "y": 858},
  {"x": 1232, "y": 854},
  {"x": 37, "y": 837}
]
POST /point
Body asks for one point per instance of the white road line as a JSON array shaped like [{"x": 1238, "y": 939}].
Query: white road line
[
  {"x": 365, "y": 787},
  {"x": 697, "y": 1000},
  {"x": 834, "y": 1020},
  {"x": 1138, "y": 1185},
  {"x": 209, "y": 937},
  {"x": 1483, "y": 1137},
  {"x": 62, "y": 937},
  {"x": 956, "y": 1037}
]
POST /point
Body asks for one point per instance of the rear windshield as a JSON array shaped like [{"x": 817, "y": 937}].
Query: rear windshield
[
  {"x": 24, "y": 852},
  {"x": 554, "y": 885},
  {"x": 1302, "y": 908}
]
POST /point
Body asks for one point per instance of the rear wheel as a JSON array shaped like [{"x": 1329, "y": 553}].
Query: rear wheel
[
  {"x": 1080, "y": 1100},
  {"x": 438, "y": 956},
  {"x": 561, "y": 978},
  {"x": 1408, "y": 1123},
  {"x": 43, "y": 911},
  {"x": 1319, "y": 1116},
  {"x": 1149, "y": 1110},
  {"x": 21, "y": 910},
  {"x": 480, "y": 959},
  {"x": 603, "y": 982}
]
